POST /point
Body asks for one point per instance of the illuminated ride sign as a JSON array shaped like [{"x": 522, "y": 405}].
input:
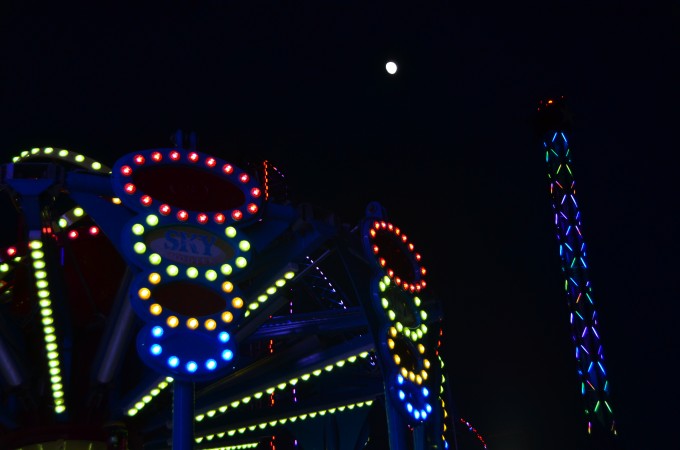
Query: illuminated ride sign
[
  {"x": 407, "y": 358},
  {"x": 186, "y": 243}
]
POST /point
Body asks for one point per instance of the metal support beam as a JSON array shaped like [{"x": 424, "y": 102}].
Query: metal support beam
[
  {"x": 9, "y": 368},
  {"x": 117, "y": 334},
  {"x": 183, "y": 415}
]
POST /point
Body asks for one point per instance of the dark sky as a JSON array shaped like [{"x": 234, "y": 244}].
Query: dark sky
[{"x": 446, "y": 145}]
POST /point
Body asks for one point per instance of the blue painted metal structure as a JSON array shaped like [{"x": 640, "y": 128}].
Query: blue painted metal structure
[{"x": 339, "y": 334}]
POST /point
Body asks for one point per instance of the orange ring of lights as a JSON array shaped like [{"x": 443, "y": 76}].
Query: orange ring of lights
[{"x": 159, "y": 298}]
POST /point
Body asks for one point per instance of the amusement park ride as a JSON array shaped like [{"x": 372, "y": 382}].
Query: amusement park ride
[
  {"x": 179, "y": 300},
  {"x": 553, "y": 124}
]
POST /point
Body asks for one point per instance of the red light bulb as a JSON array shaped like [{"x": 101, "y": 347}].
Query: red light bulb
[{"x": 146, "y": 200}]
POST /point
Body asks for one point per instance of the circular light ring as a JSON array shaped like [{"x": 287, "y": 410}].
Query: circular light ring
[
  {"x": 169, "y": 163},
  {"x": 400, "y": 309},
  {"x": 410, "y": 376},
  {"x": 61, "y": 154},
  {"x": 160, "y": 242},
  {"x": 393, "y": 254},
  {"x": 197, "y": 356},
  {"x": 182, "y": 302}
]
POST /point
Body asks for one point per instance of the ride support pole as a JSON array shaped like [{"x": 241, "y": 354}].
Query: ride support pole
[{"x": 183, "y": 415}]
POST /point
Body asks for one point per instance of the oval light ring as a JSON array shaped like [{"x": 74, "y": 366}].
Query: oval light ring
[
  {"x": 189, "y": 299},
  {"x": 190, "y": 188},
  {"x": 394, "y": 255}
]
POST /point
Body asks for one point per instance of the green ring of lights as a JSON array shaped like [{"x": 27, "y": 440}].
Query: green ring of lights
[
  {"x": 407, "y": 338},
  {"x": 397, "y": 303},
  {"x": 144, "y": 257}
]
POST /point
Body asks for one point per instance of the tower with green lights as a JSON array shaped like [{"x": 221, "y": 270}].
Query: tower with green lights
[{"x": 553, "y": 124}]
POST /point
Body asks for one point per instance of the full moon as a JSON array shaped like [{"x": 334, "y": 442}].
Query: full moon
[{"x": 391, "y": 68}]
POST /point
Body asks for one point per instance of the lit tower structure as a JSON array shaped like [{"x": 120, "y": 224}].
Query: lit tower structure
[{"x": 554, "y": 125}]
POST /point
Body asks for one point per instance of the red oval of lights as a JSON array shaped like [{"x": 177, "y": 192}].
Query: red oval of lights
[
  {"x": 395, "y": 254},
  {"x": 188, "y": 188}
]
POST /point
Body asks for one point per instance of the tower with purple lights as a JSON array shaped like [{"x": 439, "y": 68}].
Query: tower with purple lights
[{"x": 553, "y": 125}]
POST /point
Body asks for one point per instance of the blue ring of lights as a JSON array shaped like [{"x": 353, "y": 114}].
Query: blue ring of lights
[{"x": 197, "y": 356}]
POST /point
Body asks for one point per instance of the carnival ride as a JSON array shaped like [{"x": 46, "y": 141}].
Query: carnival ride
[
  {"x": 553, "y": 123},
  {"x": 179, "y": 300}
]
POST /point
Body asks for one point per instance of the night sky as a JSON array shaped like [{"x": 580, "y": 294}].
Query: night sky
[{"x": 446, "y": 145}]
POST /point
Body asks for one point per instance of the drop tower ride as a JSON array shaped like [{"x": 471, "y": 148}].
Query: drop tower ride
[{"x": 553, "y": 124}]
